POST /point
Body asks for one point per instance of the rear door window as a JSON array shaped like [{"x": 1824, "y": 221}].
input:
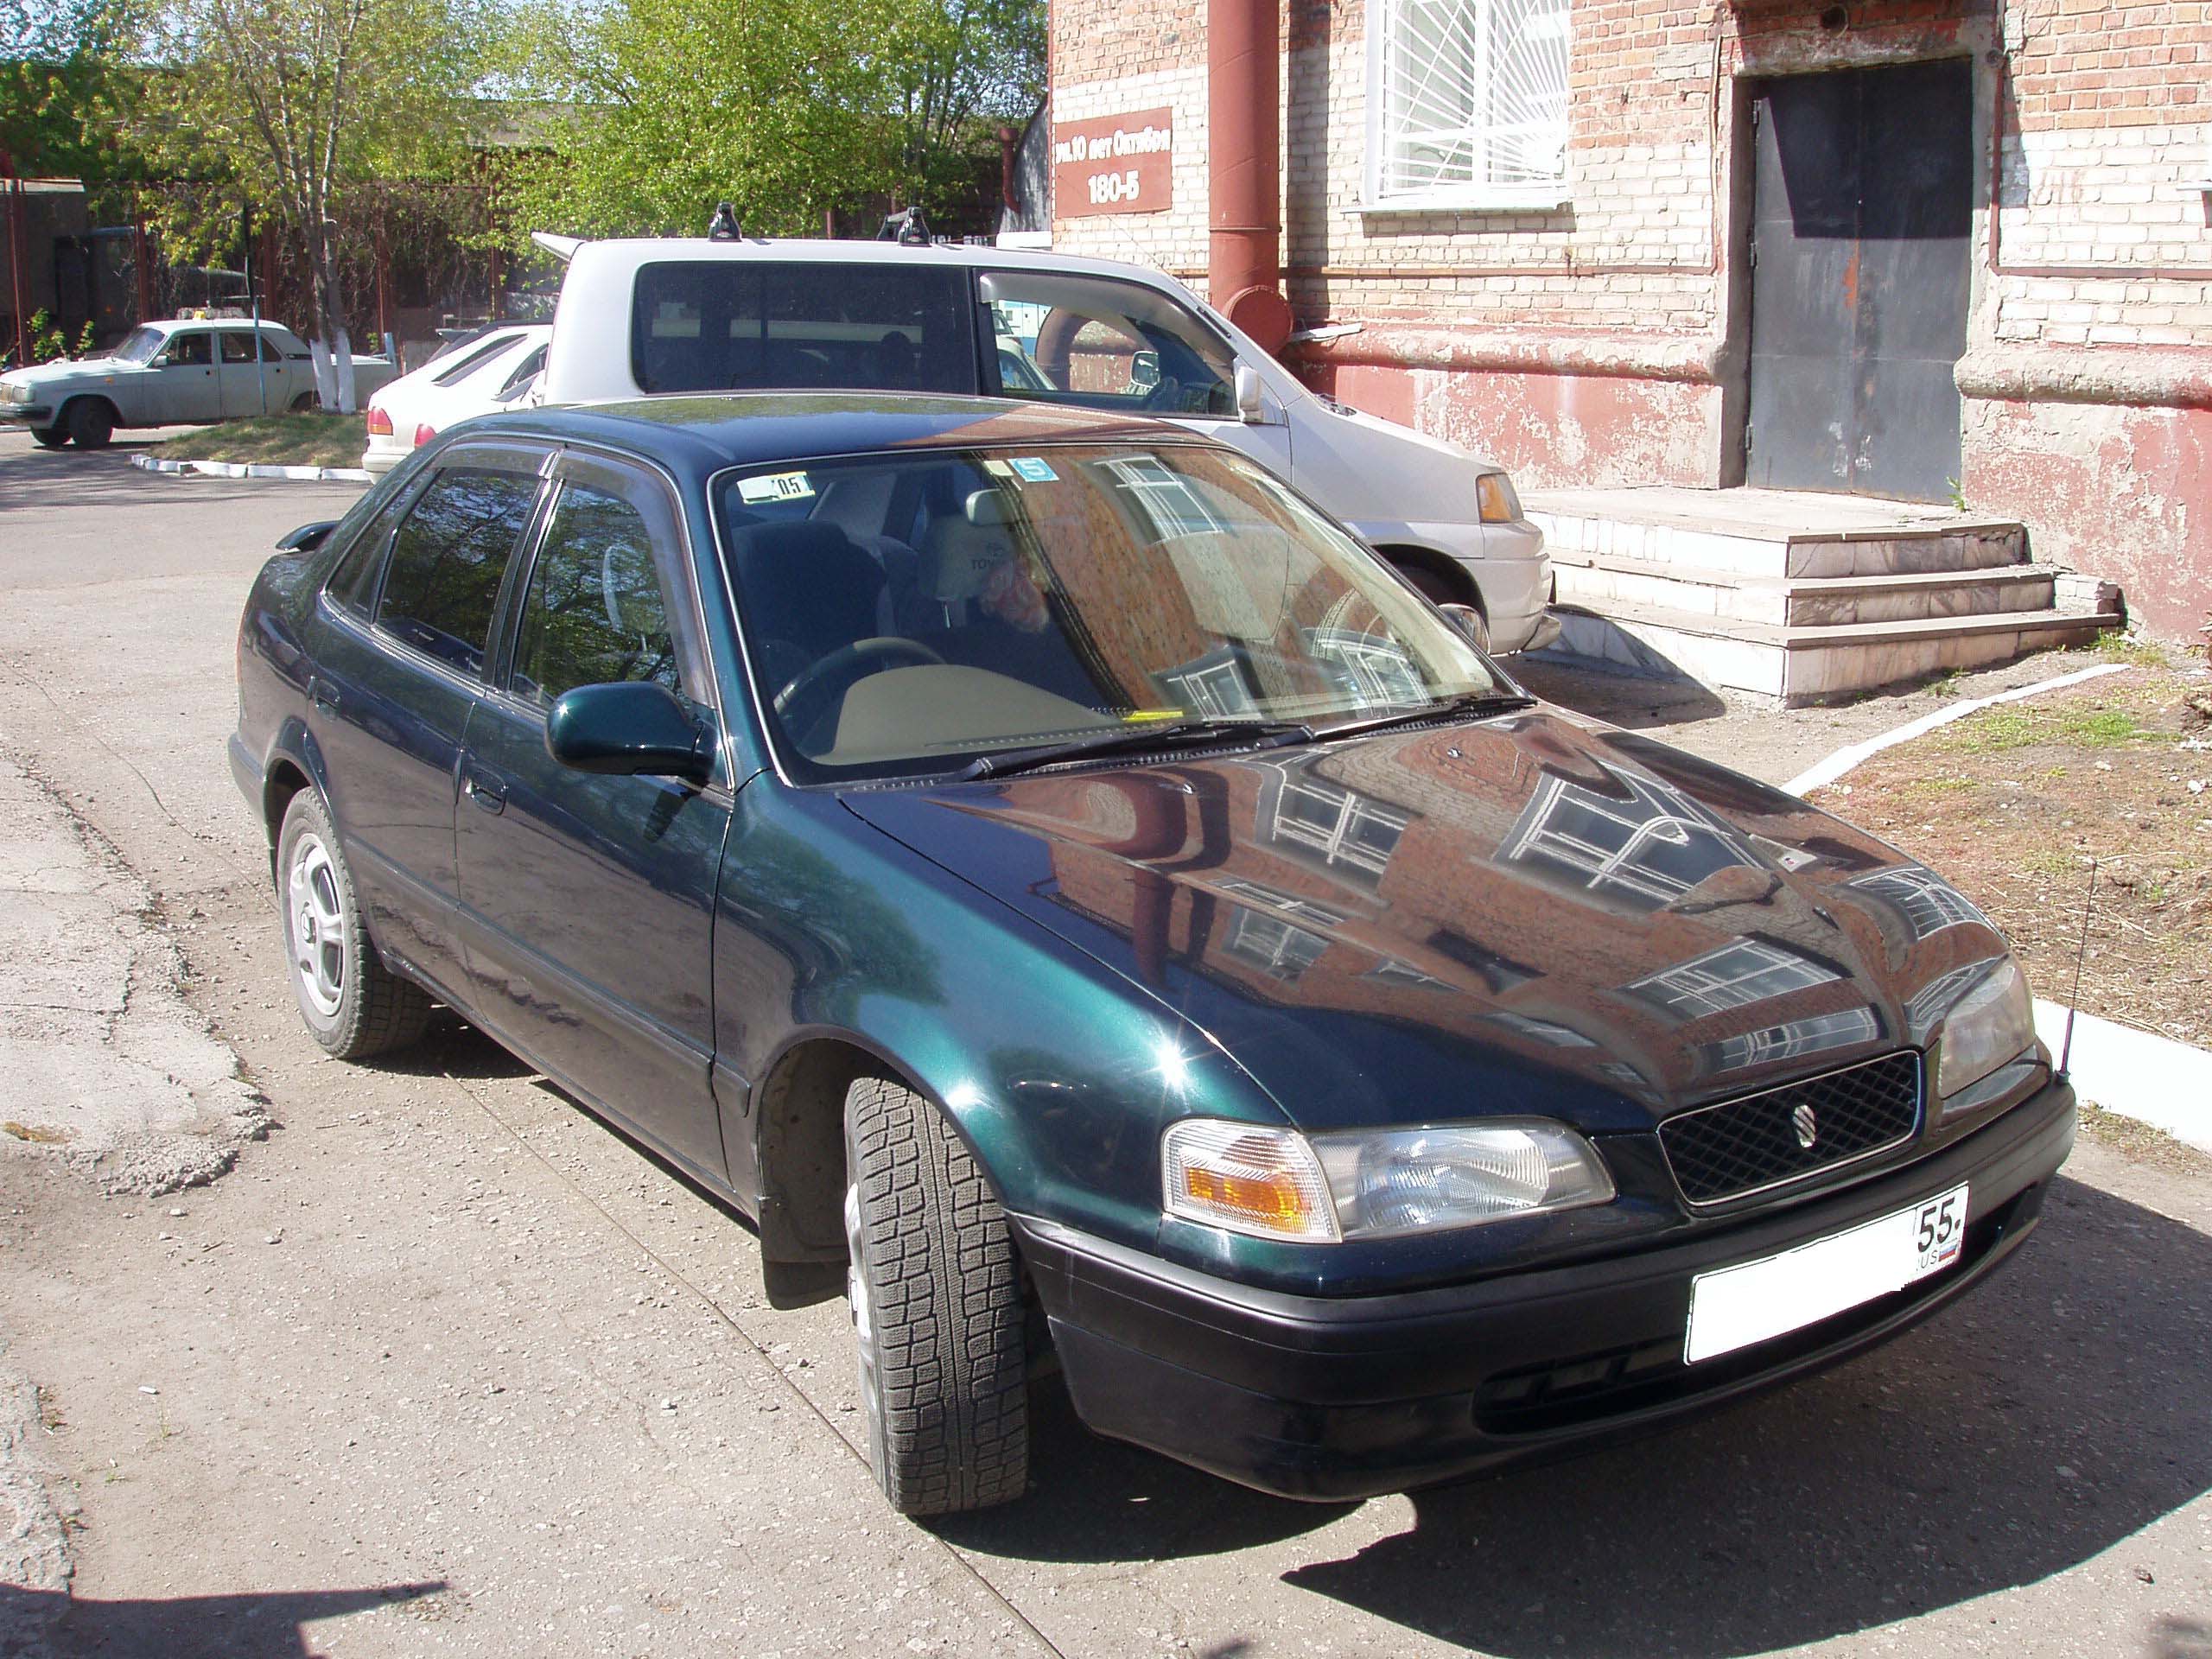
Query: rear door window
[
  {"x": 236, "y": 347},
  {"x": 1102, "y": 344},
  {"x": 728, "y": 325},
  {"x": 442, "y": 584}
]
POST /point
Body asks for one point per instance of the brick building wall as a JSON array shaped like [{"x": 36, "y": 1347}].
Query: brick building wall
[{"x": 1603, "y": 341}]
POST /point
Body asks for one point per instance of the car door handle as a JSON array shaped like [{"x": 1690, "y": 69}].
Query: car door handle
[
  {"x": 489, "y": 795},
  {"x": 322, "y": 694}
]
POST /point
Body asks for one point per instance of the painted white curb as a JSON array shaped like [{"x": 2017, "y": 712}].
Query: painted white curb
[
  {"x": 2152, "y": 1079},
  {"x": 1827, "y": 771},
  {"x": 253, "y": 469}
]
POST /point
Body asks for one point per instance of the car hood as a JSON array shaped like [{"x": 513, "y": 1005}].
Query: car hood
[
  {"x": 40, "y": 375},
  {"x": 1531, "y": 914}
]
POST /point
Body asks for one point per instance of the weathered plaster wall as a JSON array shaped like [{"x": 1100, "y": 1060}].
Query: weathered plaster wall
[
  {"x": 2123, "y": 491},
  {"x": 1625, "y": 313}
]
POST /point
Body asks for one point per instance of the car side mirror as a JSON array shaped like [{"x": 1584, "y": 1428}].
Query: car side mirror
[
  {"x": 1251, "y": 396},
  {"x": 630, "y": 728},
  {"x": 1470, "y": 622},
  {"x": 1144, "y": 370},
  {"x": 163, "y": 361},
  {"x": 306, "y": 538}
]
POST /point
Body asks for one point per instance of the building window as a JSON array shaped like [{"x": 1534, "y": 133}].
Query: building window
[{"x": 1467, "y": 103}]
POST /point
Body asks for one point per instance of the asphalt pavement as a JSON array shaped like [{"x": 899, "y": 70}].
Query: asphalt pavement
[{"x": 444, "y": 1365}]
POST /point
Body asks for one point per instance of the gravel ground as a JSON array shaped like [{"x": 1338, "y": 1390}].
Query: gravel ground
[{"x": 443, "y": 1365}]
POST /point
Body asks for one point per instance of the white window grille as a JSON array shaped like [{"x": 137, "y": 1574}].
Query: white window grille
[{"x": 1467, "y": 103}]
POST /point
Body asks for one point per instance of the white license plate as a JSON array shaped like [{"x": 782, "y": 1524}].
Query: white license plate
[{"x": 1733, "y": 1307}]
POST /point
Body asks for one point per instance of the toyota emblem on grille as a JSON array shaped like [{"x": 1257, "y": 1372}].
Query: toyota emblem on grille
[{"x": 1807, "y": 1127}]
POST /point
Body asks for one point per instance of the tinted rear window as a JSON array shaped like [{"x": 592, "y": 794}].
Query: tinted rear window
[
  {"x": 447, "y": 559},
  {"x": 718, "y": 326}
]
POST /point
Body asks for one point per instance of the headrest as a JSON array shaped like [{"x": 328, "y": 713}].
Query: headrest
[{"x": 957, "y": 557}]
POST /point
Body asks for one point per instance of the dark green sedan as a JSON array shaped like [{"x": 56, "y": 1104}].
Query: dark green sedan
[{"x": 1088, "y": 912}]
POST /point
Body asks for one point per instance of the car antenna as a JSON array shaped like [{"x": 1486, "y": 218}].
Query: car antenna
[
  {"x": 2088, "y": 906},
  {"x": 723, "y": 226},
  {"x": 907, "y": 227}
]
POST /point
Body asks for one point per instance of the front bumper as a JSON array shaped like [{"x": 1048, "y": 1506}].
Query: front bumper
[
  {"x": 1325, "y": 1399},
  {"x": 27, "y": 414}
]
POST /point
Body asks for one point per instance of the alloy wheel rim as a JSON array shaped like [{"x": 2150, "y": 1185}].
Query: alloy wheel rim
[{"x": 317, "y": 926}]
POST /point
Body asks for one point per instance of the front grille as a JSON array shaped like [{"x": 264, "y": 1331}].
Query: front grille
[{"x": 1742, "y": 1146}]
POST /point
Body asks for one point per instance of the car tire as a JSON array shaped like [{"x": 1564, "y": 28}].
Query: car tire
[
  {"x": 352, "y": 1004},
  {"x": 89, "y": 422},
  {"x": 303, "y": 403},
  {"x": 937, "y": 1314},
  {"x": 48, "y": 437}
]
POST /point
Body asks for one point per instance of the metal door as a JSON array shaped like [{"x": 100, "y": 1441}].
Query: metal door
[{"x": 1861, "y": 222}]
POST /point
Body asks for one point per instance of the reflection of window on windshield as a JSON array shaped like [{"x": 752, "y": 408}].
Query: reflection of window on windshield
[{"x": 139, "y": 346}]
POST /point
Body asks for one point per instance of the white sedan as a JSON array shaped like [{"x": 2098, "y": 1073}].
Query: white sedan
[
  {"x": 494, "y": 369},
  {"x": 164, "y": 373}
]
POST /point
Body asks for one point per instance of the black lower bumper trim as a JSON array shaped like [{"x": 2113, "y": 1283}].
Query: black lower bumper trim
[{"x": 1320, "y": 1398}]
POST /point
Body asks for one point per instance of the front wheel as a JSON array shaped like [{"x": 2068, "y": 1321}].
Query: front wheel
[
  {"x": 354, "y": 1005},
  {"x": 91, "y": 422},
  {"x": 48, "y": 437},
  {"x": 936, "y": 1307}
]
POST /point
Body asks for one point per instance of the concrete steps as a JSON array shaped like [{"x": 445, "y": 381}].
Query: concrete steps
[{"x": 1797, "y": 596}]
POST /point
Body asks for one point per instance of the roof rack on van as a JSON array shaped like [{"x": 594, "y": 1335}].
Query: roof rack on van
[{"x": 907, "y": 227}]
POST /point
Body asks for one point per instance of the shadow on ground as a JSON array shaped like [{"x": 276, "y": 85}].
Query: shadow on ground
[
  {"x": 1633, "y": 701},
  {"x": 2050, "y": 1417},
  {"x": 269, "y": 1626},
  {"x": 64, "y": 478}
]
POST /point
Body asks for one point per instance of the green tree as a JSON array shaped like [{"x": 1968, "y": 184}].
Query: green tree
[
  {"x": 56, "y": 67},
  {"x": 293, "y": 100},
  {"x": 784, "y": 108}
]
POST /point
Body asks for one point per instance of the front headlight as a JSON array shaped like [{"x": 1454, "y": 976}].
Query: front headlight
[
  {"x": 1275, "y": 1183},
  {"x": 1986, "y": 1027},
  {"x": 14, "y": 393},
  {"x": 1494, "y": 495}
]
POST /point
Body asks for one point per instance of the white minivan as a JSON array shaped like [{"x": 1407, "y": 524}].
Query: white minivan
[{"x": 683, "y": 315}]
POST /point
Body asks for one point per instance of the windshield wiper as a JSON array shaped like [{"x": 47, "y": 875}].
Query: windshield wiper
[
  {"x": 1467, "y": 702},
  {"x": 1168, "y": 734}
]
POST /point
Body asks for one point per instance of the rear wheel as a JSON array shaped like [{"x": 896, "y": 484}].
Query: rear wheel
[
  {"x": 304, "y": 401},
  {"x": 937, "y": 1314},
  {"x": 354, "y": 1005},
  {"x": 48, "y": 437},
  {"x": 90, "y": 422}
]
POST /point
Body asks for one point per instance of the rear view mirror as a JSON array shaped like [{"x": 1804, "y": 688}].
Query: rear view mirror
[
  {"x": 1251, "y": 396},
  {"x": 626, "y": 729},
  {"x": 307, "y": 537}
]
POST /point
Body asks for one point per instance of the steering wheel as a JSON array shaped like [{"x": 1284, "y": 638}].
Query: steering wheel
[{"x": 812, "y": 677}]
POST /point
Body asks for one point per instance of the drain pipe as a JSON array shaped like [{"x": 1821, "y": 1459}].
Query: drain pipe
[{"x": 1244, "y": 167}]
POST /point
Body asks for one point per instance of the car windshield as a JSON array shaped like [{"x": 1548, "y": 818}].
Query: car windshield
[
  {"x": 139, "y": 346},
  {"x": 905, "y": 615}
]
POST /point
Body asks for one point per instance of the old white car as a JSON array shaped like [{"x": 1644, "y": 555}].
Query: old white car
[{"x": 167, "y": 373}]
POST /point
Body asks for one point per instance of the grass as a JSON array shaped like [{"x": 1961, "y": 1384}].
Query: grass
[
  {"x": 2003, "y": 729},
  {"x": 313, "y": 438}
]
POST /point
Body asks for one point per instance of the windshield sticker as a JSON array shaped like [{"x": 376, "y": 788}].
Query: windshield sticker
[
  {"x": 775, "y": 486},
  {"x": 1034, "y": 468},
  {"x": 996, "y": 468}
]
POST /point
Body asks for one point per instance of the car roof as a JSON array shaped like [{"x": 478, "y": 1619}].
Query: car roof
[
  {"x": 642, "y": 250},
  {"x": 704, "y": 432}
]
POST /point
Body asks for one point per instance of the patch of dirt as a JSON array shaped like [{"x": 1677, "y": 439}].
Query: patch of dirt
[{"x": 2016, "y": 803}]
